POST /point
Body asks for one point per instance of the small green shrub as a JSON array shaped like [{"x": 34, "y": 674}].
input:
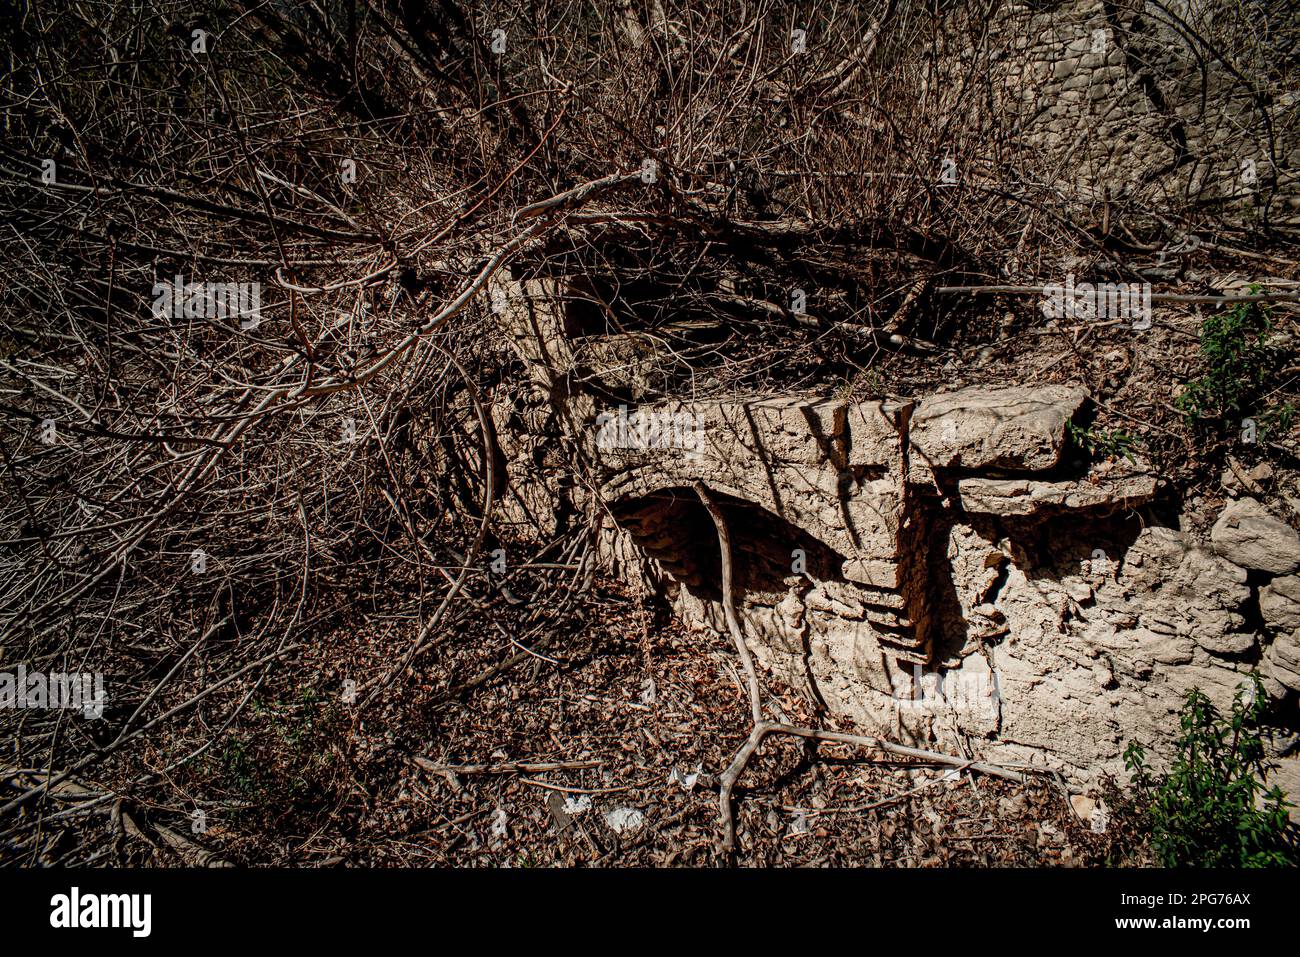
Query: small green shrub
[
  {"x": 1106, "y": 443},
  {"x": 1239, "y": 364},
  {"x": 1203, "y": 811},
  {"x": 1276, "y": 419}
]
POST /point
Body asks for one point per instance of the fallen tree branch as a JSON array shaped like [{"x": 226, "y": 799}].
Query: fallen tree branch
[{"x": 506, "y": 767}]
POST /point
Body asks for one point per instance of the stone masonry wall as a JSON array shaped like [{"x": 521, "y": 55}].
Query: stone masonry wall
[{"x": 949, "y": 570}]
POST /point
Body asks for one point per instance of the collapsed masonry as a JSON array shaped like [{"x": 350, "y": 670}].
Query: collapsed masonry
[
  {"x": 946, "y": 571},
  {"x": 945, "y": 540}
]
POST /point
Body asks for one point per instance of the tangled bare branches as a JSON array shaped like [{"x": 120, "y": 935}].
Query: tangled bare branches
[{"x": 246, "y": 347}]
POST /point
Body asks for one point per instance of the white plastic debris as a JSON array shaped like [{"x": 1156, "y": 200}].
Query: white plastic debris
[
  {"x": 575, "y": 806},
  {"x": 687, "y": 780},
  {"x": 499, "y": 827},
  {"x": 624, "y": 820}
]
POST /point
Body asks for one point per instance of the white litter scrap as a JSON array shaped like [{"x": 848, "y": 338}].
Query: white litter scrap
[
  {"x": 499, "y": 827},
  {"x": 575, "y": 806},
  {"x": 687, "y": 780},
  {"x": 624, "y": 820}
]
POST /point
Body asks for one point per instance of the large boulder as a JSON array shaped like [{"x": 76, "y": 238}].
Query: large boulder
[
  {"x": 1282, "y": 660},
  {"x": 1011, "y": 430},
  {"x": 1247, "y": 535},
  {"x": 1279, "y": 603},
  {"x": 1105, "y": 488}
]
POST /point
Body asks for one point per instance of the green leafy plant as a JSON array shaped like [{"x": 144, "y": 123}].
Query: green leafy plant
[
  {"x": 1276, "y": 419},
  {"x": 1239, "y": 364},
  {"x": 1205, "y": 811},
  {"x": 1106, "y": 443}
]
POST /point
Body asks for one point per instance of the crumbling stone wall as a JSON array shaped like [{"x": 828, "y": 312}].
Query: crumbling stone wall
[
  {"x": 1144, "y": 101},
  {"x": 948, "y": 570},
  {"x": 954, "y": 545}
]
